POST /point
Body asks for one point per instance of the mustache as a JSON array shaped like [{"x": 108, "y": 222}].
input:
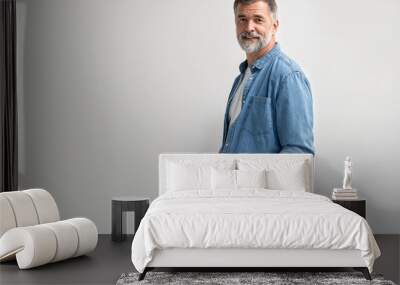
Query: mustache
[{"x": 248, "y": 35}]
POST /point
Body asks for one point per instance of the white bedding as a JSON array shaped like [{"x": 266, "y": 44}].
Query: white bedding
[{"x": 250, "y": 218}]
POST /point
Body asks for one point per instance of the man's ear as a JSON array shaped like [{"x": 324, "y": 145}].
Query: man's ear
[{"x": 276, "y": 26}]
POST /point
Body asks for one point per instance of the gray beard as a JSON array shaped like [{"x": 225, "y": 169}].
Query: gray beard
[{"x": 250, "y": 47}]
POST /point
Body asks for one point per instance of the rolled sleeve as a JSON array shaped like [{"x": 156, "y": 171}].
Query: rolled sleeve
[{"x": 294, "y": 115}]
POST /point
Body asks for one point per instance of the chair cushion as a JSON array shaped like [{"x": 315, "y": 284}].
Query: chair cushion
[
  {"x": 7, "y": 216},
  {"x": 45, "y": 205},
  {"x": 23, "y": 208},
  {"x": 26, "y": 208},
  {"x": 40, "y": 244}
]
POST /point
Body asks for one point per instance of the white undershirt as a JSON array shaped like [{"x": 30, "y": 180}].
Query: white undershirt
[{"x": 236, "y": 105}]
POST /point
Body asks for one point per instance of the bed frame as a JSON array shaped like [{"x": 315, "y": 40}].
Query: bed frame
[{"x": 245, "y": 259}]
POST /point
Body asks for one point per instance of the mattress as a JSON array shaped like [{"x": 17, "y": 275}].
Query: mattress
[{"x": 251, "y": 219}]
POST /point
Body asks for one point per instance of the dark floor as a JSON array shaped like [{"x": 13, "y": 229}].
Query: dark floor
[{"x": 110, "y": 260}]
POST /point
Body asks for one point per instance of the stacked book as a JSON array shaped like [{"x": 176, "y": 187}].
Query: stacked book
[{"x": 344, "y": 194}]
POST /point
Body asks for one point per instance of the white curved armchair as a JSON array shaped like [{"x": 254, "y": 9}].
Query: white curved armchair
[{"x": 31, "y": 230}]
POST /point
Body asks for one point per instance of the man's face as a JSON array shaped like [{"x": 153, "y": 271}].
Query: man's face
[{"x": 255, "y": 26}]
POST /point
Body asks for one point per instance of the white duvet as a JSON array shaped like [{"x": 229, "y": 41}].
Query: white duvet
[{"x": 250, "y": 218}]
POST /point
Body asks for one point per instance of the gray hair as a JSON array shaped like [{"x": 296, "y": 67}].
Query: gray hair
[{"x": 271, "y": 3}]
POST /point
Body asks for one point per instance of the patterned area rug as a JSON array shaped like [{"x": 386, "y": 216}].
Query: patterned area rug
[{"x": 270, "y": 278}]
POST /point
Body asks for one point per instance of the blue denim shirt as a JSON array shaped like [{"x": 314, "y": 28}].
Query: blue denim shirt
[{"x": 277, "y": 110}]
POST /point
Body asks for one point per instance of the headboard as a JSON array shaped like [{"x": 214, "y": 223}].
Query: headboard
[{"x": 165, "y": 157}]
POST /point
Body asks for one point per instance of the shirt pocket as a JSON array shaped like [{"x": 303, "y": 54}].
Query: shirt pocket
[{"x": 258, "y": 120}]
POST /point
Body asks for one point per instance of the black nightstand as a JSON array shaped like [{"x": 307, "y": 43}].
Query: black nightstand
[
  {"x": 357, "y": 206},
  {"x": 139, "y": 205}
]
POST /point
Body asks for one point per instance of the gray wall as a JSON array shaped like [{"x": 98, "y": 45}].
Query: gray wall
[{"x": 108, "y": 85}]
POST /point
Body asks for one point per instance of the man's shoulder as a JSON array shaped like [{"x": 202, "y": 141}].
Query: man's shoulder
[{"x": 284, "y": 66}]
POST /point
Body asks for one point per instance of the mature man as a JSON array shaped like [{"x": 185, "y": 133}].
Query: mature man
[{"x": 269, "y": 108}]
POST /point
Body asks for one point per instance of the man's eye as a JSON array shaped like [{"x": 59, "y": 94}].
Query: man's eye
[{"x": 259, "y": 20}]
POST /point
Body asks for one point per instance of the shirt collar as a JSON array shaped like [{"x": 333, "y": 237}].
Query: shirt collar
[{"x": 262, "y": 61}]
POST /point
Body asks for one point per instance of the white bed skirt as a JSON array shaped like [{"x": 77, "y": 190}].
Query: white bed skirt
[{"x": 192, "y": 257}]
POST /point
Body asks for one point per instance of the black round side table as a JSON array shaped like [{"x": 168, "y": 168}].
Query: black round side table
[
  {"x": 121, "y": 204},
  {"x": 358, "y": 206}
]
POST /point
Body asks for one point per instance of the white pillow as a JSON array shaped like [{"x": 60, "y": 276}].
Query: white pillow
[
  {"x": 282, "y": 174},
  {"x": 183, "y": 177},
  {"x": 223, "y": 179},
  {"x": 290, "y": 179},
  {"x": 188, "y": 175},
  {"x": 237, "y": 179},
  {"x": 251, "y": 178}
]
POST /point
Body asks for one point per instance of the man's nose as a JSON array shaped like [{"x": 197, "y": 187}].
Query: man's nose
[{"x": 250, "y": 26}]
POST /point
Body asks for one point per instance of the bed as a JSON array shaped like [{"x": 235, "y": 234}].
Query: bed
[{"x": 247, "y": 211}]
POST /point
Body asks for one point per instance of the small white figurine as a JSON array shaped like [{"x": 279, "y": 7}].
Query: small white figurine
[{"x": 347, "y": 173}]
